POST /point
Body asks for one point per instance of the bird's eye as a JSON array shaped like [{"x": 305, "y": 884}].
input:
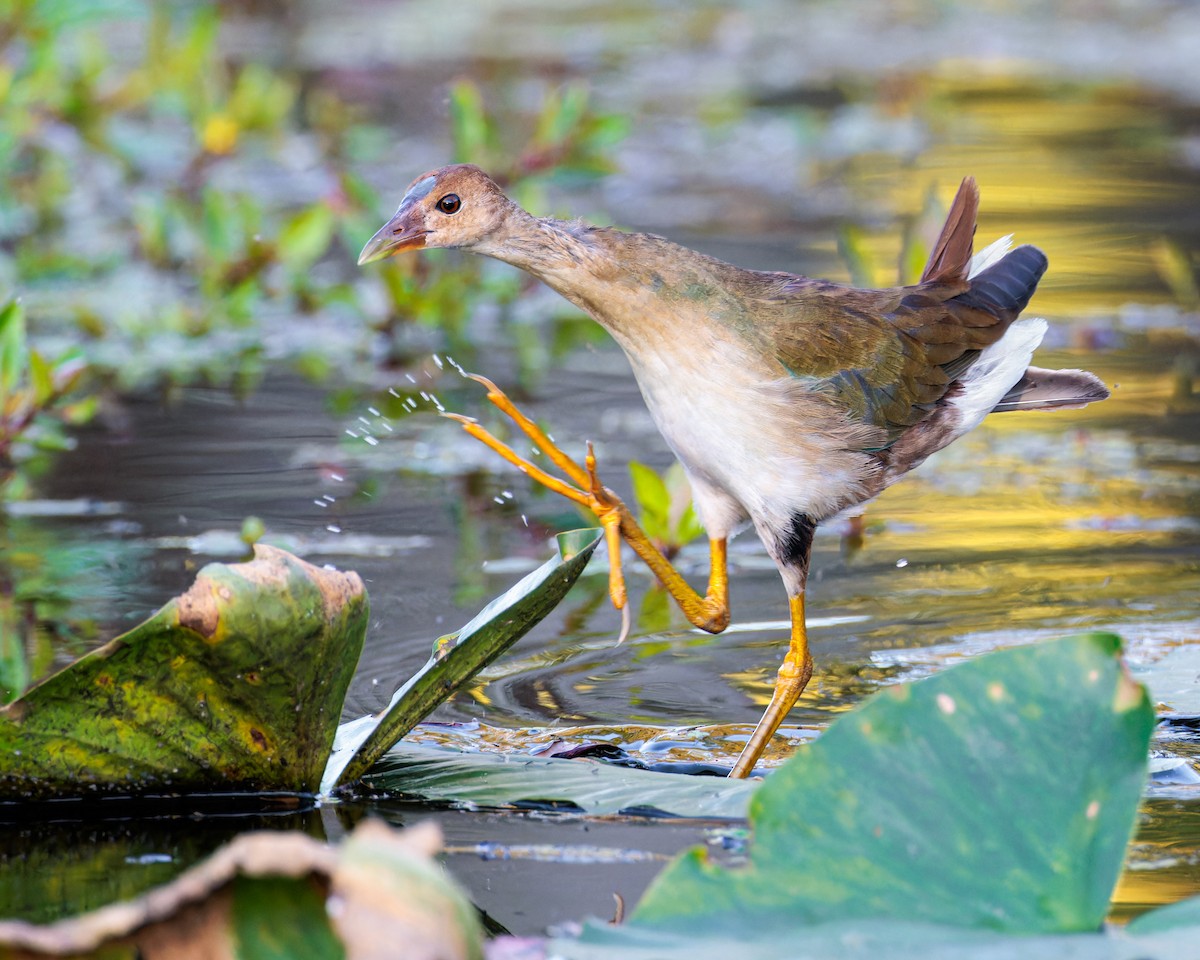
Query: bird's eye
[{"x": 449, "y": 203}]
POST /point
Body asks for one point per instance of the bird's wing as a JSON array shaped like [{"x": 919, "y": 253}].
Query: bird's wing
[{"x": 886, "y": 357}]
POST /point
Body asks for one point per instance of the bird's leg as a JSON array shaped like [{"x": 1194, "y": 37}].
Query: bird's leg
[
  {"x": 794, "y": 674},
  {"x": 709, "y": 612},
  {"x": 793, "y": 553}
]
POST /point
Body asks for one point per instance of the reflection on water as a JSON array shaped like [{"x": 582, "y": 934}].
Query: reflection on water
[
  {"x": 55, "y": 861},
  {"x": 1036, "y": 525}
]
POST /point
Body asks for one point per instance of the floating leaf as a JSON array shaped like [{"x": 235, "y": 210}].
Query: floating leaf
[
  {"x": 595, "y": 788},
  {"x": 458, "y": 658},
  {"x": 893, "y": 939},
  {"x": 1174, "y": 916},
  {"x": 950, "y": 800},
  {"x": 236, "y": 685}
]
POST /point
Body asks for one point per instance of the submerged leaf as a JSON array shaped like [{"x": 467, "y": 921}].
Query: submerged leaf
[
  {"x": 458, "y": 658},
  {"x": 237, "y": 685},
  {"x": 999, "y": 794},
  {"x": 595, "y": 788}
]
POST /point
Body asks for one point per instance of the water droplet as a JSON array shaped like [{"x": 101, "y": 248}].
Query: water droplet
[
  {"x": 333, "y": 528},
  {"x": 946, "y": 703},
  {"x": 499, "y": 500},
  {"x": 901, "y": 563},
  {"x": 392, "y": 391},
  {"x": 336, "y": 477},
  {"x": 410, "y": 378},
  {"x": 438, "y": 361},
  {"x": 329, "y": 497},
  {"x": 320, "y": 503},
  {"x": 507, "y": 494},
  {"x": 372, "y": 441},
  {"x": 351, "y": 433},
  {"x": 524, "y": 519},
  {"x": 364, "y": 421},
  {"x": 373, "y": 412}
]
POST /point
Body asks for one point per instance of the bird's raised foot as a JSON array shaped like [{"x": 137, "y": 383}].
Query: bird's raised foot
[
  {"x": 582, "y": 487},
  {"x": 708, "y": 612}
]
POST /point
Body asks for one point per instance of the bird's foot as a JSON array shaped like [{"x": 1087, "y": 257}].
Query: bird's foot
[
  {"x": 583, "y": 485},
  {"x": 794, "y": 674}
]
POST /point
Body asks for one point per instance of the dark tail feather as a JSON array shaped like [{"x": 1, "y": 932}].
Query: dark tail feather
[
  {"x": 1004, "y": 288},
  {"x": 951, "y": 255},
  {"x": 1040, "y": 389}
]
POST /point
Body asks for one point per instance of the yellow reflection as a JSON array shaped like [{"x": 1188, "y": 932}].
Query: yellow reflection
[{"x": 1027, "y": 145}]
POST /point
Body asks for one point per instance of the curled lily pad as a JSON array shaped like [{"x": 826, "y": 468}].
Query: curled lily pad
[
  {"x": 284, "y": 896},
  {"x": 459, "y": 657},
  {"x": 235, "y": 686}
]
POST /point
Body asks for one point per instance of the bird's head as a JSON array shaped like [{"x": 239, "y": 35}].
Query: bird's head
[{"x": 456, "y": 206}]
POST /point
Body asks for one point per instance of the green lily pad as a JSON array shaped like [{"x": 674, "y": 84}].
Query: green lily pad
[
  {"x": 860, "y": 938},
  {"x": 459, "y": 657},
  {"x": 1174, "y": 916},
  {"x": 235, "y": 686},
  {"x": 998, "y": 794},
  {"x": 594, "y": 788}
]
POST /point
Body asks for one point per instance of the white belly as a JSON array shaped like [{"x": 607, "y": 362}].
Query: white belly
[{"x": 754, "y": 447}]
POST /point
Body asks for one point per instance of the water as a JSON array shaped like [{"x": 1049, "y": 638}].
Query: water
[{"x": 1036, "y": 525}]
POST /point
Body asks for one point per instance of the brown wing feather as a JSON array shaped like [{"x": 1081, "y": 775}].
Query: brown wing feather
[
  {"x": 950, "y": 258},
  {"x": 889, "y": 356}
]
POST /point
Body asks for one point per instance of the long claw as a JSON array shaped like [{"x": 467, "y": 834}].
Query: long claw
[
  {"x": 547, "y": 480},
  {"x": 500, "y": 400},
  {"x": 491, "y": 387}
]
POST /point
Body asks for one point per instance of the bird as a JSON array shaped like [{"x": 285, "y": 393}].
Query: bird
[{"x": 789, "y": 401}]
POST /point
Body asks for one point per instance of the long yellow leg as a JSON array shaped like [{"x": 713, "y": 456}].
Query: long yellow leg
[
  {"x": 709, "y": 612},
  {"x": 794, "y": 674}
]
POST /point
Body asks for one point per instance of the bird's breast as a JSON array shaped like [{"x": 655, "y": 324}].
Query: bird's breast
[{"x": 754, "y": 443}]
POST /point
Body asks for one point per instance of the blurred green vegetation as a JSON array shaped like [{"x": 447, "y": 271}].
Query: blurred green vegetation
[
  {"x": 665, "y": 510},
  {"x": 36, "y": 401},
  {"x": 170, "y": 215}
]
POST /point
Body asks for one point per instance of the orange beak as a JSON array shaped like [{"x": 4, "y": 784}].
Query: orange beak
[{"x": 397, "y": 235}]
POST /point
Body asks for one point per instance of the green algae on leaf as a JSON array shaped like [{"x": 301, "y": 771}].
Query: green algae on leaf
[
  {"x": 459, "y": 657},
  {"x": 999, "y": 794},
  {"x": 236, "y": 685}
]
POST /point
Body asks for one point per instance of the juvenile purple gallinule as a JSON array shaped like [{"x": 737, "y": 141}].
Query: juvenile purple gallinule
[{"x": 787, "y": 400}]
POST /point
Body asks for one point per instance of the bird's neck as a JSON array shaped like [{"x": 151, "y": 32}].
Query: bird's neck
[{"x": 643, "y": 289}]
